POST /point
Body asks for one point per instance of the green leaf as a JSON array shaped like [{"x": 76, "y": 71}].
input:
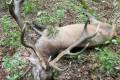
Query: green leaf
[{"x": 118, "y": 40}]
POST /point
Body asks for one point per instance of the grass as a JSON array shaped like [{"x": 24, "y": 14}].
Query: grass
[
  {"x": 118, "y": 40},
  {"x": 14, "y": 66},
  {"x": 58, "y": 11},
  {"x": 46, "y": 18},
  {"x": 108, "y": 60},
  {"x": 12, "y": 34},
  {"x": 28, "y": 6},
  {"x": 52, "y": 32}
]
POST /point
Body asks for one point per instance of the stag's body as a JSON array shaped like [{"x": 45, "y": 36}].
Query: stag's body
[{"x": 68, "y": 35}]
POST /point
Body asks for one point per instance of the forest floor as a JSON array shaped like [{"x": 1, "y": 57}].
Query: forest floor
[{"x": 83, "y": 67}]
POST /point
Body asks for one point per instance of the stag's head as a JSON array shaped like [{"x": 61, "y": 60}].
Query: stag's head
[{"x": 39, "y": 70}]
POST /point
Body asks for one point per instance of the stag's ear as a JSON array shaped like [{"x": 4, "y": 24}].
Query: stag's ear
[
  {"x": 86, "y": 23},
  {"x": 39, "y": 27}
]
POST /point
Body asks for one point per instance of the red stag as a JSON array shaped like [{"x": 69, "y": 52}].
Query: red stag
[{"x": 67, "y": 38}]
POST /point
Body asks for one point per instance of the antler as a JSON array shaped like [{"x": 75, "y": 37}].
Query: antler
[
  {"x": 31, "y": 46},
  {"x": 84, "y": 36},
  {"x": 22, "y": 37},
  {"x": 14, "y": 9}
]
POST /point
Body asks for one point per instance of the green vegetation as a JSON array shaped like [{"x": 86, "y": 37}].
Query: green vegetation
[
  {"x": 11, "y": 33},
  {"x": 118, "y": 40},
  {"x": 58, "y": 12},
  {"x": 46, "y": 18},
  {"x": 14, "y": 66},
  {"x": 52, "y": 32},
  {"x": 28, "y": 6},
  {"x": 108, "y": 60}
]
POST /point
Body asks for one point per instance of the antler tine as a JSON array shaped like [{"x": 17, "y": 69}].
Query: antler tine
[
  {"x": 22, "y": 37},
  {"x": 14, "y": 9},
  {"x": 86, "y": 23},
  {"x": 67, "y": 51},
  {"x": 31, "y": 46}
]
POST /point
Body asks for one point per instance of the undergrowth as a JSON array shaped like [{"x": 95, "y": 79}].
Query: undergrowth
[
  {"x": 118, "y": 40},
  {"x": 57, "y": 12},
  {"x": 14, "y": 66},
  {"x": 11, "y": 32},
  {"x": 28, "y": 6},
  {"x": 108, "y": 60}
]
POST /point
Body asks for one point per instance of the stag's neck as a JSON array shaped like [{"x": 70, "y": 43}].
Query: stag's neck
[{"x": 47, "y": 49}]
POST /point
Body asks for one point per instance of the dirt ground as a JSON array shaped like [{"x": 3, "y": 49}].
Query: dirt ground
[{"x": 84, "y": 68}]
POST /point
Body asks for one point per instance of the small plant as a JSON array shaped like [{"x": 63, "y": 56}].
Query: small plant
[
  {"x": 118, "y": 40},
  {"x": 107, "y": 60},
  {"x": 57, "y": 12},
  {"x": 46, "y": 18},
  {"x": 43, "y": 18},
  {"x": 52, "y": 32},
  {"x": 14, "y": 66},
  {"x": 55, "y": 74},
  {"x": 5, "y": 22},
  {"x": 28, "y": 6}
]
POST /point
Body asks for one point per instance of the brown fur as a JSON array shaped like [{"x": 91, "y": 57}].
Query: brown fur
[{"x": 69, "y": 34}]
